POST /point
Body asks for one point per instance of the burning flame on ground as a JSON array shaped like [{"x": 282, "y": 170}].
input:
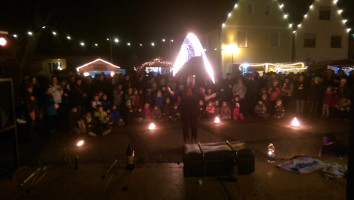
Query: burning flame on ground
[
  {"x": 217, "y": 120},
  {"x": 152, "y": 126},
  {"x": 80, "y": 143},
  {"x": 295, "y": 122}
]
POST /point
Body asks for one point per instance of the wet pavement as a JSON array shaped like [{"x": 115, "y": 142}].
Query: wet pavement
[{"x": 159, "y": 168}]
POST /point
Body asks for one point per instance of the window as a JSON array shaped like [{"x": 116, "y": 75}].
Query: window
[
  {"x": 241, "y": 38},
  {"x": 250, "y": 8},
  {"x": 267, "y": 9},
  {"x": 310, "y": 40},
  {"x": 336, "y": 42},
  {"x": 325, "y": 13},
  {"x": 274, "y": 39}
]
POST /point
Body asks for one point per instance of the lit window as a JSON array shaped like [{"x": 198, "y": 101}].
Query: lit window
[
  {"x": 325, "y": 13},
  {"x": 310, "y": 40},
  {"x": 250, "y": 8},
  {"x": 267, "y": 9},
  {"x": 241, "y": 38},
  {"x": 336, "y": 42},
  {"x": 274, "y": 39}
]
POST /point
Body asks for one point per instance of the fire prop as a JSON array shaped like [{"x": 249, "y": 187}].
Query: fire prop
[
  {"x": 152, "y": 126},
  {"x": 80, "y": 143},
  {"x": 217, "y": 120},
  {"x": 295, "y": 122}
]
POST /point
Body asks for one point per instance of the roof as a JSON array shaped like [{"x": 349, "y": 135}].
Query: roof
[{"x": 97, "y": 65}]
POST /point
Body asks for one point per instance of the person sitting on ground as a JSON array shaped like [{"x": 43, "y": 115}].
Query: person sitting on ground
[
  {"x": 89, "y": 124},
  {"x": 140, "y": 116},
  {"x": 225, "y": 111},
  {"x": 102, "y": 121},
  {"x": 217, "y": 108},
  {"x": 109, "y": 117},
  {"x": 159, "y": 99},
  {"x": 260, "y": 110},
  {"x": 174, "y": 113},
  {"x": 156, "y": 113},
  {"x": 237, "y": 112},
  {"x": 332, "y": 148},
  {"x": 166, "y": 107},
  {"x": 106, "y": 104},
  {"x": 210, "y": 109},
  {"x": 74, "y": 120},
  {"x": 117, "y": 117},
  {"x": 279, "y": 110},
  {"x": 147, "y": 112},
  {"x": 95, "y": 102}
]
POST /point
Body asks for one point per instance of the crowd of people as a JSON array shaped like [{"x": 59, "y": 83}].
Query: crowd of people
[{"x": 93, "y": 105}]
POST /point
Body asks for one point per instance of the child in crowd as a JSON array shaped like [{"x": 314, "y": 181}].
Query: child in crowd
[
  {"x": 159, "y": 99},
  {"x": 74, "y": 120},
  {"x": 266, "y": 102},
  {"x": 210, "y": 109},
  {"x": 225, "y": 111},
  {"x": 260, "y": 110},
  {"x": 137, "y": 99},
  {"x": 147, "y": 112},
  {"x": 237, "y": 112},
  {"x": 217, "y": 108},
  {"x": 156, "y": 113},
  {"x": 139, "y": 116},
  {"x": 102, "y": 121},
  {"x": 326, "y": 101},
  {"x": 333, "y": 106},
  {"x": 117, "y": 117},
  {"x": 106, "y": 104},
  {"x": 89, "y": 124},
  {"x": 95, "y": 102},
  {"x": 174, "y": 114},
  {"x": 279, "y": 110},
  {"x": 166, "y": 107}
]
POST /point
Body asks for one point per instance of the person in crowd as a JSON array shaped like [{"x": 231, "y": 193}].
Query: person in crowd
[
  {"x": 300, "y": 94},
  {"x": 174, "y": 113},
  {"x": 166, "y": 108},
  {"x": 236, "y": 114},
  {"x": 279, "y": 110},
  {"x": 117, "y": 117},
  {"x": 106, "y": 104},
  {"x": 51, "y": 111},
  {"x": 57, "y": 90},
  {"x": 102, "y": 120},
  {"x": 118, "y": 95},
  {"x": 159, "y": 99},
  {"x": 79, "y": 96},
  {"x": 202, "y": 112},
  {"x": 156, "y": 113},
  {"x": 287, "y": 92},
  {"x": 252, "y": 88},
  {"x": 240, "y": 89},
  {"x": 137, "y": 99},
  {"x": 225, "y": 111},
  {"x": 331, "y": 147},
  {"x": 89, "y": 124},
  {"x": 129, "y": 95},
  {"x": 147, "y": 112},
  {"x": 228, "y": 86},
  {"x": 333, "y": 105},
  {"x": 274, "y": 93},
  {"x": 140, "y": 115},
  {"x": 315, "y": 95},
  {"x": 325, "y": 102},
  {"x": 217, "y": 108},
  {"x": 260, "y": 110},
  {"x": 210, "y": 110},
  {"x": 95, "y": 102}
]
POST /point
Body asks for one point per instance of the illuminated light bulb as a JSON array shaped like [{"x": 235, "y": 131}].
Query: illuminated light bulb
[
  {"x": 285, "y": 16},
  {"x": 344, "y": 21},
  {"x": 299, "y": 25},
  {"x": 215, "y": 49},
  {"x": 229, "y": 15},
  {"x": 152, "y": 126},
  {"x": 68, "y": 37},
  {"x": 348, "y": 30},
  {"x": 152, "y": 44},
  {"x": 43, "y": 27},
  {"x": 223, "y": 25},
  {"x": 217, "y": 120},
  {"x": 107, "y": 39},
  {"x": 235, "y": 6},
  {"x": 163, "y": 40},
  {"x": 112, "y": 73},
  {"x": 295, "y": 122},
  {"x": 305, "y": 16},
  {"x": 96, "y": 45},
  {"x": 80, "y": 143},
  {"x": 294, "y": 32},
  {"x": 281, "y": 6},
  {"x": 116, "y": 40},
  {"x": 311, "y": 7},
  {"x": 340, "y": 11},
  {"x": 290, "y": 25},
  {"x": 30, "y": 33},
  {"x": 15, "y": 35},
  {"x": 171, "y": 40},
  {"x": 82, "y": 43},
  {"x": 54, "y": 33},
  {"x": 3, "y": 41},
  {"x": 86, "y": 74},
  {"x": 141, "y": 45},
  {"x": 335, "y": 1},
  {"x": 128, "y": 43}
]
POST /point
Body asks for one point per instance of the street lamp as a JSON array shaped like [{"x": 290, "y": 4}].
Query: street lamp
[{"x": 3, "y": 41}]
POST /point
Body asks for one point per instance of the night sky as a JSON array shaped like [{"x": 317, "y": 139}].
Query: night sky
[{"x": 134, "y": 21}]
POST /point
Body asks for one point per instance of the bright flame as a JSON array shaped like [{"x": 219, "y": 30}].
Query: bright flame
[
  {"x": 80, "y": 143},
  {"x": 217, "y": 120},
  {"x": 191, "y": 47},
  {"x": 295, "y": 122},
  {"x": 152, "y": 126},
  {"x": 3, "y": 41}
]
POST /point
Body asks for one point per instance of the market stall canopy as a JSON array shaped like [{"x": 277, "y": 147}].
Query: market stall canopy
[
  {"x": 337, "y": 63},
  {"x": 98, "y": 65}
]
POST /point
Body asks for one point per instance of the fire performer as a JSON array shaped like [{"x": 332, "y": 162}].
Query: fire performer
[{"x": 190, "y": 109}]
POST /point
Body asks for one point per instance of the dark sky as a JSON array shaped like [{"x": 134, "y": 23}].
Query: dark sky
[{"x": 136, "y": 21}]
